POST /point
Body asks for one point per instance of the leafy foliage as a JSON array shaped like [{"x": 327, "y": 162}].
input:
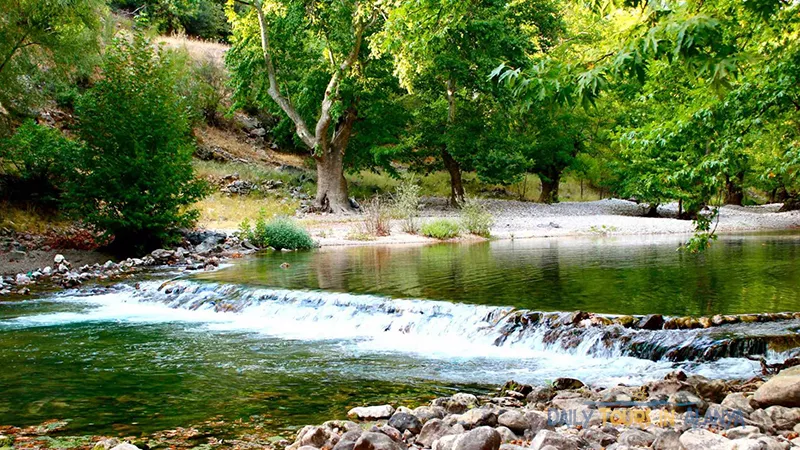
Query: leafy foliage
[
  {"x": 137, "y": 176},
  {"x": 279, "y": 233},
  {"x": 475, "y": 218},
  {"x": 406, "y": 205},
  {"x": 441, "y": 229}
]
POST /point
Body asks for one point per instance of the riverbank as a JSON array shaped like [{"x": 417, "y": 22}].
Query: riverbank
[{"x": 680, "y": 412}]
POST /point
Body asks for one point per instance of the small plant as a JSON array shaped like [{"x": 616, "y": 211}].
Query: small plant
[
  {"x": 376, "y": 217},
  {"x": 603, "y": 229},
  {"x": 475, "y": 218},
  {"x": 357, "y": 235},
  {"x": 279, "y": 233},
  {"x": 441, "y": 229},
  {"x": 406, "y": 205}
]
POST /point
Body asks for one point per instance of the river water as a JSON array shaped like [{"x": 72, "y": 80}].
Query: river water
[{"x": 342, "y": 327}]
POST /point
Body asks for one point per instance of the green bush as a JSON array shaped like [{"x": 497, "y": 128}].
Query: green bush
[
  {"x": 279, "y": 233},
  {"x": 36, "y": 162},
  {"x": 138, "y": 180},
  {"x": 475, "y": 218},
  {"x": 441, "y": 229},
  {"x": 406, "y": 205}
]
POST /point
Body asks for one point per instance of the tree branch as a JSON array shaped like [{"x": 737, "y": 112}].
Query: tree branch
[{"x": 274, "y": 91}]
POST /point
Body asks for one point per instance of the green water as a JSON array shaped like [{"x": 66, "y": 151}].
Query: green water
[
  {"x": 739, "y": 274},
  {"x": 113, "y": 366}
]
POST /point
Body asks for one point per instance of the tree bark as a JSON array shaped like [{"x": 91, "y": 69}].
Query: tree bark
[
  {"x": 456, "y": 184},
  {"x": 652, "y": 210},
  {"x": 734, "y": 193},
  {"x": 331, "y": 183},
  {"x": 550, "y": 188}
]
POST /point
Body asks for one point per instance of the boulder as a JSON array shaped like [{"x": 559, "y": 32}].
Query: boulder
[
  {"x": 58, "y": 259},
  {"x": 598, "y": 437},
  {"x": 668, "y": 440},
  {"x": 700, "y": 439},
  {"x": 478, "y": 417},
  {"x": 506, "y": 435},
  {"x": 561, "y": 384},
  {"x": 481, "y": 438},
  {"x": 783, "y": 418},
  {"x": 312, "y": 436},
  {"x": 651, "y": 322},
  {"x": 457, "y": 404},
  {"x": 125, "y": 446},
  {"x": 432, "y": 431},
  {"x": 514, "y": 420},
  {"x": 198, "y": 237},
  {"x": 371, "y": 412},
  {"x": 550, "y": 438},
  {"x": 709, "y": 390},
  {"x": 445, "y": 442},
  {"x": 377, "y": 441},
  {"x": 390, "y": 431},
  {"x": 22, "y": 279},
  {"x": 348, "y": 440},
  {"x": 739, "y": 402},
  {"x": 758, "y": 443},
  {"x": 540, "y": 394},
  {"x": 742, "y": 432},
  {"x": 426, "y": 413},
  {"x": 684, "y": 401},
  {"x": 405, "y": 421},
  {"x": 781, "y": 390},
  {"x": 636, "y": 438}
]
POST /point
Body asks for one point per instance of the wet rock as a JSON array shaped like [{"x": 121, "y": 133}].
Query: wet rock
[
  {"x": 625, "y": 321},
  {"x": 636, "y": 438},
  {"x": 668, "y": 440},
  {"x": 481, "y": 438},
  {"x": 426, "y": 413},
  {"x": 561, "y": 384},
  {"x": 433, "y": 430},
  {"x": 739, "y": 402},
  {"x": 478, "y": 417},
  {"x": 377, "y": 441},
  {"x": 781, "y": 390},
  {"x": 651, "y": 322},
  {"x": 700, "y": 439},
  {"x": 371, "y": 412},
  {"x": 348, "y": 440},
  {"x": 550, "y": 438},
  {"x": 405, "y": 421}
]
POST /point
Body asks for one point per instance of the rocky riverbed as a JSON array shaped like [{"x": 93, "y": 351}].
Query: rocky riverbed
[{"x": 679, "y": 412}]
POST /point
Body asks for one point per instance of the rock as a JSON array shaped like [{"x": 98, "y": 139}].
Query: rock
[
  {"x": 709, "y": 390},
  {"x": 62, "y": 268},
  {"x": 514, "y": 420},
  {"x": 742, "y": 432},
  {"x": 598, "y": 437},
  {"x": 478, "y": 417},
  {"x": 506, "y": 435},
  {"x": 390, "y": 431},
  {"x": 313, "y": 436},
  {"x": 651, "y": 322},
  {"x": 739, "y": 402},
  {"x": 59, "y": 259},
  {"x": 684, "y": 401},
  {"x": 668, "y": 440},
  {"x": 405, "y": 421},
  {"x": 348, "y": 440},
  {"x": 457, "y": 404},
  {"x": 162, "y": 255},
  {"x": 616, "y": 396},
  {"x": 561, "y": 384},
  {"x": 481, "y": 438},
  {"x": 433, "y": 430},
  {"x": 371, "y": 412},
  {"x": 21, "y": 279},
  {"x": 783, "y": 418},
  {"x": 426, "y": 413},
  {"x": 700, "y": 439},
  {"x": 104, "y": 444},
  {"x": 759, "y": 443},
  {"x": 125, "y": 446},
  {"x": 781, "y": 390},
  {"x": 445, "y": 443},
  {"x": 636, "y": 438},
  {"x": 47, "y": 271},
  {"x": 377, "y": 441},
  {"x": 550, "y": 438},
  {"x": 541, "y": 394}
]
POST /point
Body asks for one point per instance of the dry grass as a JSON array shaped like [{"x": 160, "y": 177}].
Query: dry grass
[
  {"x": 235, "y": 144},
  {"x": 29, "y": 219},
  {"x": 197, "y": 49},
  {"x": 219, "y": 211}
]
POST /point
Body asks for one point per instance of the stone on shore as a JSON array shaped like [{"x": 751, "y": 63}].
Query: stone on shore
[
  {"x": 701, "y": 439},
  {"x": 371, "y": 412},
  {"x": 348, "y": 440},
  {"x": 478, "y": 417},
  {"x": 125, "y": 446},
  {"x": 432, "y": 431},
  {"x": 481, "y": 438},
  {"x": 636, "y": 438},
  {"x": 781, "y": 390},
  {"x": 457, "y": 404},
  {"x": 426, "y": 413},
  {"x": 377, "y": 441},
  {"x": 550, "y": 438},
  {"x": 405, "y": 421}
]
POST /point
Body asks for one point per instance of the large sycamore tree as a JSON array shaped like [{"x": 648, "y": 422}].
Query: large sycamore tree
[{"x": 305, "y": 58}]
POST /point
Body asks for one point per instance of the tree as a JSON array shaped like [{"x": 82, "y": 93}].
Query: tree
[
  {"x": 443, "y": 51},
  {"x": 312, "y": 72},
  {"x": 137, "y": 180},
  {"x": 41, "y": 37}
]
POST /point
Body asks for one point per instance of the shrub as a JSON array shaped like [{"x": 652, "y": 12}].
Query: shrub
[
  {"x": 376, "y": 216},
  {"x": 441, "y": 229},
  {"x": 279, "y": 233},
  {"x": 406, "y": 205},
  {"x": 36, "y": 162},
  {"x": 475, "y": 218},
  {"x": 137, "y": 181}
]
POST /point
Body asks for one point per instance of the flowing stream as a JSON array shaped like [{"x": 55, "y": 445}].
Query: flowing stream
[{"x": 343, "y": 327}]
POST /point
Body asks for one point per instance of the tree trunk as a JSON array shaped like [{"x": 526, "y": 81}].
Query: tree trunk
[
  {"x": 456, "y": 185},
  {"x": 734, "y": 193},
  {"x": 652, "y": 210},
  {"x": 331, "y": 183},
  {"x": 550, "y": 188}
]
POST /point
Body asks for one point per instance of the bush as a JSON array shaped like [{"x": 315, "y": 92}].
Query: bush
[
  {"x": 137, "y": 178},
  {"x": 376, "y": 217},
  {"x": 36, "y": 162},
  {"x": 406, "y": 205},
  {"x": 279, "y": 233},
  {"x": 441, "y": 229},
  {"x": 475, "y": 218}
]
